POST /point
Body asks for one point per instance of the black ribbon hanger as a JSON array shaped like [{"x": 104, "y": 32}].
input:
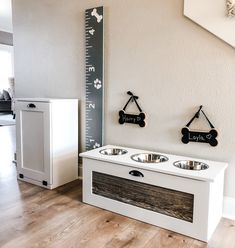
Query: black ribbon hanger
[
  {"x": 131, "y": 118},
  {"x": 133, "y": 99},
  {"x": 197, "y": 136}
]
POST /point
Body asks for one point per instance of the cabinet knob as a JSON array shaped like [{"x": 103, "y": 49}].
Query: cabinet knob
[
  {"x": 136, "y": 173},
  {"x": 31, "y": 105}
]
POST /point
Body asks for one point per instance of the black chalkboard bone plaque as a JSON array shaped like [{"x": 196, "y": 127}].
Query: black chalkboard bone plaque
[
  {"x": 132, "y": 118},
  {"x": 199, "y": 136}
]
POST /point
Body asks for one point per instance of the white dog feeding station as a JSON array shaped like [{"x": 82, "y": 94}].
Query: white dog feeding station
[{"x": 178, "y": 193}]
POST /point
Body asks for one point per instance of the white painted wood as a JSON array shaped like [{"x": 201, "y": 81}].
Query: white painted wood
[
  {"x": 208, "y": 194},
  {"x": 166, "y": 167},
  {"x": 33, "y": 141},
  {"x": 64, "y": 125},
  {"x": 47, "y": 141},
  {"x": 215, "y": 203}
]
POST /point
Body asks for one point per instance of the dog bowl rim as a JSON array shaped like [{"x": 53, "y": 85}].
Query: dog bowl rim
[
  {"x": 205, "y": 166},
  {"x": 113, "y": 148},
  {"x": 150, "y": 162}
]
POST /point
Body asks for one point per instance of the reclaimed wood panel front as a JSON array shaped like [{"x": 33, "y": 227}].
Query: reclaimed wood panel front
[{"x": 169, "y": 202}]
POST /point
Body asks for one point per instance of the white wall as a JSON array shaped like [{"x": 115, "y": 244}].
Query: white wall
[
  {"x": 6, "y": 65},
  {"x": 6, "y": 16},
  {"x": 172, "y": 64}
]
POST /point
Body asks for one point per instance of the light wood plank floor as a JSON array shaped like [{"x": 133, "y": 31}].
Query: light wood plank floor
[{"x": 31, "y": 216}]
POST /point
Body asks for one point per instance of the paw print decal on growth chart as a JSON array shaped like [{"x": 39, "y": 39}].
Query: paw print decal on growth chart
[
  {"x": 96, "y": 145},
  {"x": 97, "y": 84}
]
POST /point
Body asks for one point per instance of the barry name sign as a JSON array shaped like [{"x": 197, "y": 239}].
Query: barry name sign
[{"x": 130, "y": 118}]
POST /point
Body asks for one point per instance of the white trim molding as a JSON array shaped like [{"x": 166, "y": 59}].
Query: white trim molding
[{"x": 229, "y": 208}]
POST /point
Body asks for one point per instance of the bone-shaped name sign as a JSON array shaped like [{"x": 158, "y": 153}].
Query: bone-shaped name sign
[
  {"x": 130, "y": 118},
  {"x": 95, "y": 14},
  {"x": 230, "y": 7},
  {"x": 196, "y": 136}
]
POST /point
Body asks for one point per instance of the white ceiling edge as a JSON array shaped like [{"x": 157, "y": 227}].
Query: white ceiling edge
[
  {"x": 6, "y": 16},
  {"x": 212, "y": 16}
]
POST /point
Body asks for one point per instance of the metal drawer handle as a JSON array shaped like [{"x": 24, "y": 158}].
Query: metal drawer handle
[
  {"x": 31, "y": 105},
  {"x": 136, "y": 173}
]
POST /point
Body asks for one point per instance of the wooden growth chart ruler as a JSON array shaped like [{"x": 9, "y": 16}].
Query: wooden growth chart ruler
[{"x": 94, "y": 77}]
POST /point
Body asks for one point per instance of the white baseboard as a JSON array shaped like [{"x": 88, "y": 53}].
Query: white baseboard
[{"x": 229, "y": 208}]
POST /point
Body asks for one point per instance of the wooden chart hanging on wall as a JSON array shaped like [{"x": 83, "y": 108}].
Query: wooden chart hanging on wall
[{"x": 94, "y": 77}]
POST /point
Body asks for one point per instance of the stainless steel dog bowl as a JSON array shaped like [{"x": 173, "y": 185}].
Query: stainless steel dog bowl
[
  {"x": 190, "y": 165},
  {"x": 149, "y": 158},
  {"x": 113, "y": 151}
]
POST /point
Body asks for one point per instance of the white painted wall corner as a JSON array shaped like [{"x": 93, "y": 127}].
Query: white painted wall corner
[
  {"x": 80, "y": 171},
  {"x": 229, "y": 208}
]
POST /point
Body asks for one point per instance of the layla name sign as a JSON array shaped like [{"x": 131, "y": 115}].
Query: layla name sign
[{"x": 195, "y": 136}]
